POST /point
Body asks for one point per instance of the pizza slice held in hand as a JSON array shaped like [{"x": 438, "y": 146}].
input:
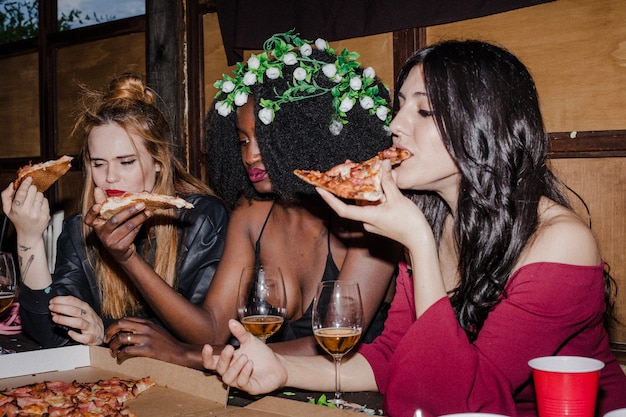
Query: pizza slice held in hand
[
  {"x": 44, "y": 174},
  {"x": 355, "y": 180},
  {"x": 119, "y": 201}
]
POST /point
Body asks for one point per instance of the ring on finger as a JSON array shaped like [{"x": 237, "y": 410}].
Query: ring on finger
[
  {"x": 82, "y": 312},
  {"x": 18, "y": 203},
  {"x": 128, "y": 338}
]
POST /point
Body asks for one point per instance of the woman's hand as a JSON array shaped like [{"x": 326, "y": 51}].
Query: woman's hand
[
  {"x": 27, "y": 209},
  {"x": 131, "y": 336},
  {"x": 395, "y": 216},
  {"x": 119, "y": 232},
  {"x": 253, "y": 367},
  {"x": 85, "y": 324}
]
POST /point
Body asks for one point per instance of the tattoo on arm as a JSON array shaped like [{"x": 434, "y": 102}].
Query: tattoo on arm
[{"x": 26, "y": 267}]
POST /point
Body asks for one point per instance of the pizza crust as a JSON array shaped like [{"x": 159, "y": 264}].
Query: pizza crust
[{"x": 153, "y": 202}]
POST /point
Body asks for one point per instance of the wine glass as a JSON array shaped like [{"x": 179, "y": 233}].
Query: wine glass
[
  {"x": 8, "y": 280},
  {"x": 261, "y": 302},
  {"x": 337, "y": 322}
]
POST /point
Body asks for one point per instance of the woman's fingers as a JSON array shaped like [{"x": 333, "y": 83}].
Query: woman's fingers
[
  {"x": 75, "y": 314},
  {"x": 388, "y": 183},
  {"x": 209, "y": 360}
]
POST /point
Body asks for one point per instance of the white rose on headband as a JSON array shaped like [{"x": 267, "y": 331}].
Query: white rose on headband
[
  {"x": 346, "y": 104},
  {"x": 355, "y": 83},
  {"x": 329, "y": 70},
  {"x": 335, "y": 127},
  {"x": 369, "y": 72},
  {"x": 228, "y": 86},
  {"x": 290, "y": 59},
  {"x": 241, "y": 98},
  {"x": 272, "y": 73},
  {"x": 266, "y": 116},
  {"x": 306, "y": 49},
  {"x": 299, "y": 74},
  {"x": 253, "y": 62},
  {"x": 382, "y": 112},
  {"x": 320, "y": 44},
  {"x": 223, "y": 108},
  {"x": 249, "y": 78},
  {"x": 367, "y": 102}
]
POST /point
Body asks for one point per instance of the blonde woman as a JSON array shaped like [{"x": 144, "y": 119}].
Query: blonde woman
[{"x": 132, "y": 264}]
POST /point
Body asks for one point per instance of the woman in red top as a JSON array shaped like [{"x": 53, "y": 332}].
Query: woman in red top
[{"x": 501, "y": 269}]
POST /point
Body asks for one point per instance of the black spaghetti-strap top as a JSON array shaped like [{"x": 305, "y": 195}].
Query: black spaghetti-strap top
[
  {"x": 295, "y": 329},
  {"x": 302, "y": 327}
]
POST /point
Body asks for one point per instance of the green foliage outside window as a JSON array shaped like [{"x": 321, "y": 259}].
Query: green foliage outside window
[{"x": 20, "y": 20}]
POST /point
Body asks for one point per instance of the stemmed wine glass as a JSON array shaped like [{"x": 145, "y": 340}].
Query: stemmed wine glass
[
  {"x": 337, "y": 322},
  {"x": 262, "y": 301},
  {"x": 8, "y": 280}
]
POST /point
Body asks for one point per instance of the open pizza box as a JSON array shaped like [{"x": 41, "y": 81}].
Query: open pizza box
[{"x": 179, "y": 391}]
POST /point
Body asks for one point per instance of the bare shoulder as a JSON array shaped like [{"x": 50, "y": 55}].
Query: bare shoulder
[{"x": 562, "y": 237}]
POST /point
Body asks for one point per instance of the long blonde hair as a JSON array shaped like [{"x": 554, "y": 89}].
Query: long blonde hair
[{"x": 130, "y": 104}]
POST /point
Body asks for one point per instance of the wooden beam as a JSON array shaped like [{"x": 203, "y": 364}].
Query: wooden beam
[
  {"x": 47, "y": 87},
  {"x": 195, "y": 69},
  {"x": 405, "y": 42},
  {"x": 165, "y": 56},
  {"x": 592, "y": 144}
]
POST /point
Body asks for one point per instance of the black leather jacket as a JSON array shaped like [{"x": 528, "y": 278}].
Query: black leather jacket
[{"x": 201, "y": 241}]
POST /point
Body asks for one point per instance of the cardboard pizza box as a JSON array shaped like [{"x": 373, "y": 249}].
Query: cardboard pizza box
[{"x": 179, "y": 391}]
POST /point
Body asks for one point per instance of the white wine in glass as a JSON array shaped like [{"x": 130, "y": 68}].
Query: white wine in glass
[
  {"x": 262, "y": 301},
  {"x": 337, "y": 322},
  {"x": 8, "y": 280}
]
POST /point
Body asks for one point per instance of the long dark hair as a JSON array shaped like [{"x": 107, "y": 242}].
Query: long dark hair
[{"x": 487, "y": 111}]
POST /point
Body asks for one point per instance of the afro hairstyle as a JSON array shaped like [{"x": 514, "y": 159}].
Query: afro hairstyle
[{"x": 298, "y": 138}]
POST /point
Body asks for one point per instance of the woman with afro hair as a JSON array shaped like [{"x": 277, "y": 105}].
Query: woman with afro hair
[{"x": 295, "y": 106}]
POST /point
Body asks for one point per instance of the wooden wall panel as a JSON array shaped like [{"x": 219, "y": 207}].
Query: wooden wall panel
[
  {"x": 92, "y": 64},
  {"x": 576, "y": 51},
  {"x": 601, "y": 182},
  {"x": 215, "y": 63},
  {"x": 19, "y": 119}
]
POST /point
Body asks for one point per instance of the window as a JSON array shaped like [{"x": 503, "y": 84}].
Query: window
[
  {"x": 47, "y": 50},
  {"x": 18, "y": 20},
  {"x": 78, "y": 13}
]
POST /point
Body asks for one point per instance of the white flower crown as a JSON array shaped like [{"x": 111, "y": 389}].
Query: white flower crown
[{"x": 287, "y": 49}]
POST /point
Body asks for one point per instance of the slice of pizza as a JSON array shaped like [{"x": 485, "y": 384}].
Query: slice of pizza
[
  {"x": 120, "y": 389},
  {"x": 44, "y": 174},
  {"x": 355, "y": 180},
  {"x": 153, "y": 201}
]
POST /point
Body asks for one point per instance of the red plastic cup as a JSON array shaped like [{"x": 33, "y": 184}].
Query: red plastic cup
[{"x": 566, "y": 385}]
